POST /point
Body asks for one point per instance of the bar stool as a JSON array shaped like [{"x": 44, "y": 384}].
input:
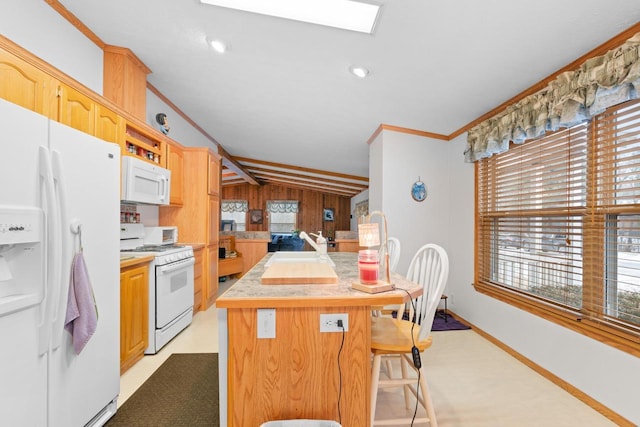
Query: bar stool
[{"x": 409, "y": 338}]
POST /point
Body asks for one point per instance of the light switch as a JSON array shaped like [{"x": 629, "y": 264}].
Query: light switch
[{"x": 266, "y": 323}]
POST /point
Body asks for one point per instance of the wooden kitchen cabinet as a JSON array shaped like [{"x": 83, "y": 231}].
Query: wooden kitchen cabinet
[
  {"x": 27, "y": 86},
  {"x": 198, "y": 219},
  {"x": 109, "y": 125},
  {"x": 134, "y": 314},
  {"x": 213, "y": 173},
  {"x": 230, "y": 265},
  {"x": 198, "y": 279},
  {"x": 125, "y": 80},
  {"x": 252, "y": 250},
  {"x": 76, "y": 109},
  {"x": 175, "y": 163}
]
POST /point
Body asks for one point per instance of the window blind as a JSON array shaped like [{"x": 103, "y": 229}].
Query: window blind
[{"x": 558, "y": 226}]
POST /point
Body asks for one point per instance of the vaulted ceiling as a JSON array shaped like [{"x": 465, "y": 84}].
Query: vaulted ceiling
[{"x": 282, "y": 104}]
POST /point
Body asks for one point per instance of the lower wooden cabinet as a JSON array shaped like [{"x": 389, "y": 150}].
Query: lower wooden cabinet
[
  {"x": 134, "y": 314},
  {"x": 198, "y": 279}
]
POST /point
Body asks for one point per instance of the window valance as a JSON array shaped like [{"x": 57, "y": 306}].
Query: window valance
[
  {"x": 571, "y": 98},
  {"x": 282, "y": 206},
  {"x": 234, "y": 206}
]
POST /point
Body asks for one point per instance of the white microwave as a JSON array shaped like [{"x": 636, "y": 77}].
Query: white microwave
[
  {"x": 144, "y": 182},
  {"x": 161, "y": 235}
]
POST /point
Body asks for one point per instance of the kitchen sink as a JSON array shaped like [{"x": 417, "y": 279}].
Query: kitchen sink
[{"x": 299, "y": 256}]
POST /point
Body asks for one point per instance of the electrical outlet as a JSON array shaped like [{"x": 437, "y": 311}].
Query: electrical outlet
[
  {"x": 329, "y": 322},
  {"x": 266, "y": 323}
]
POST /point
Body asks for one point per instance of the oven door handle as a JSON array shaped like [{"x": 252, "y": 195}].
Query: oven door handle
[{"x": 176, "y": 266}]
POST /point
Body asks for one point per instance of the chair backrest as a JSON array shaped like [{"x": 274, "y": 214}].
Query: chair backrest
[
  {"x": 430, "y": 268},
  {"x": 394, "y": 252}
]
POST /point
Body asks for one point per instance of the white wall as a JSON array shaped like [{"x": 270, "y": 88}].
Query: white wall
[
  {"x": 180, "y": 129},
  {"x": 402, "y": 159},
  {"x": 38, "y": 28}
]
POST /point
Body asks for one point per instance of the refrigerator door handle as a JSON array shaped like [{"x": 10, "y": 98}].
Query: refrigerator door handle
[
  {"x": 62, "y": 285},
  {"x": 53, "y": 254}
]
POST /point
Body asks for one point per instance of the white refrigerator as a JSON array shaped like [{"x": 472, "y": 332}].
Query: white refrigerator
[{"x": 59, "y": 189}]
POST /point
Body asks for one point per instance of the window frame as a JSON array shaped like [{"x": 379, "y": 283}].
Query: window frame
[{"x": 589, "y": 320}]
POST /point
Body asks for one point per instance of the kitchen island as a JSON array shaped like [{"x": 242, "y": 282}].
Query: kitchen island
[{"x": 300, "y": 372}]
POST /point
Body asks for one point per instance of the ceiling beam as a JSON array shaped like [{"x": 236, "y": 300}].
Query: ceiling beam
[
  {"x": 301, "y": 169},
  {"x": 231, "y": 163},
  {"x": 321, "y": 179},
  {"x": 306, "y": 186}
]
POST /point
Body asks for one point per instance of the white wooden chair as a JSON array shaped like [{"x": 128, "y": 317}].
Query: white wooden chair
[
  {"x": 394, "y": 253},
  {"x": 389, "y": 336}
]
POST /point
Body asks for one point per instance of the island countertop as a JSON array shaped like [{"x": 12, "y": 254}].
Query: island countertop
[{"x": 250, "y": 292}]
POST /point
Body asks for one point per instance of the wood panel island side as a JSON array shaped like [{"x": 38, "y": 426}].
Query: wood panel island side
[{"x": 298, "y": 374}]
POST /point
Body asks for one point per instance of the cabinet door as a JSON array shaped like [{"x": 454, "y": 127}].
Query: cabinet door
[
  {"x": 214, "y": 220},
  {"x": 109, "y": 125},
  {"x": 198, "y": 279},
  {"x": 134, "y": 319},
  {"x": 214, "y": 174},
  {"x": 76, "y": 110},
  {"x": 175, "y": 163},
  {"x": 25, "y": 85},
  {"x": 211, "y": 288}
]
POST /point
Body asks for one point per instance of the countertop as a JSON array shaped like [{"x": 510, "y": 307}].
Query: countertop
[
  {"x": 131, "y": 260},
  {"x": 193, "y": 245},
  {"x": 250, "y": 292}
]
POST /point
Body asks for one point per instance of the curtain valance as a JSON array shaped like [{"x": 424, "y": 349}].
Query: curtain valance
[
  {"x": 234, "y": 206},
  {"x": 571, "y": 98},
  {"x": 282, "y": 206}
]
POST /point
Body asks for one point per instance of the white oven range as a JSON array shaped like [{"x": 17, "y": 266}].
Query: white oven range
[{"x": 170, "y": 285}]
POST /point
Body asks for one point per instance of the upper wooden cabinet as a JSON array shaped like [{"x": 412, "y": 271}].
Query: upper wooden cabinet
[
  {"x": 76, "y": 109},
  {"x": 109, "y": 125},
  {"x": 214, "y": 171},
  {"x": 144, "y": 142},
  {"x": 175, "y": 163},
  {"x": 27, "y": 86},
  {"x": 83, "y": 113},
  {"x": 125, "y": 80}
]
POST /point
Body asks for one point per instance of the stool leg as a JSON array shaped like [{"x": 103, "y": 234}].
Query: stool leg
[
  {"x": 445, "y": 310},
  {"x": 375, "y": 377}
]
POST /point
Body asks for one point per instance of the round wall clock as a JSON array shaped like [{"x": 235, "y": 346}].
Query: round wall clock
[{"x": 419, "y": 191}]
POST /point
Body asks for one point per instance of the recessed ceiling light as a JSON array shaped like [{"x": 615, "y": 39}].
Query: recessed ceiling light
[
  {"x": 218, "y": 45},
  {"x": 347, "y": 14},
  {"x": 359, "y": 72}
]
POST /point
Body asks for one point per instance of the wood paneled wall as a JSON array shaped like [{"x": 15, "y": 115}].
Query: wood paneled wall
[{"x": 312, "y": 203}]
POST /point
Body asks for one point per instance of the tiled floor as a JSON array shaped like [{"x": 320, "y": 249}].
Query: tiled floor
[{"x": 473, "y": 383}]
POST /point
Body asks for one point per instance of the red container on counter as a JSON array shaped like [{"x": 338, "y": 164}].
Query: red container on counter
[{"x": 368, "y": 266}]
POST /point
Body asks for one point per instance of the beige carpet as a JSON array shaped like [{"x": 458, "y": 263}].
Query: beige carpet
[{"x": 475, "y": 384}]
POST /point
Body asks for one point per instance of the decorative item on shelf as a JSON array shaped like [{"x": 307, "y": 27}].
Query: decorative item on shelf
[
  {"x": 419, "y": 190},
  {"x": 368, "y": 259},
  {"x": 161, "y": 119}
]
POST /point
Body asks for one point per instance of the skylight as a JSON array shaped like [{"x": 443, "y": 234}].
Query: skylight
[{"x": 346, "y": 14}]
